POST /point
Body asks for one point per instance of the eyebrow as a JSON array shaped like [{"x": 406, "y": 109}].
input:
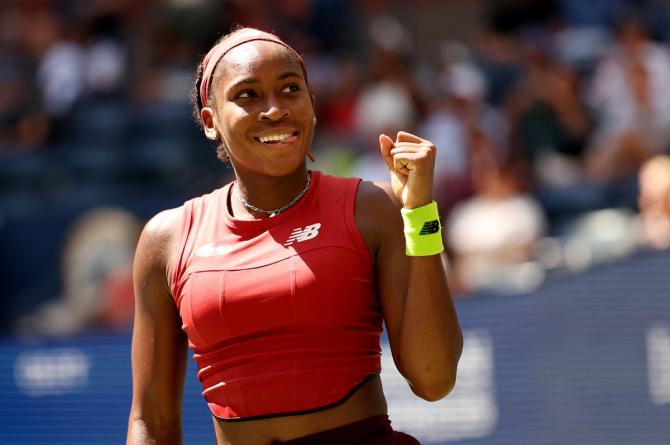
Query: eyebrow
[{"x": 248, "y": 80}]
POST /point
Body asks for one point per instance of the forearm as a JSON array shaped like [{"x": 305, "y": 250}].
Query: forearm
[
  {"x": 420, "y": 316},
  {"x": 431, "y": 341}
]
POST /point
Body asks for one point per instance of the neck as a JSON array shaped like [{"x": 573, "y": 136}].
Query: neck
[{"x": 265, "y": 192}]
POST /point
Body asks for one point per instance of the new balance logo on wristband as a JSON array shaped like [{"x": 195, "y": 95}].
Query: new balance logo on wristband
[
  {"x": 305, "y": 234},
  {"x": 430, "y": 227}
]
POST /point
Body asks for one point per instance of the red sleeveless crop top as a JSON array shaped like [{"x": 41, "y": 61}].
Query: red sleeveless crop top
[{"x": 281, "y": 313}]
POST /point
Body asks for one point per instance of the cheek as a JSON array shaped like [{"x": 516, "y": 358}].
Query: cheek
[
  {"x": 307, "y": 107},
  {"x": 307, "y": 110},
  {"x": 233, "y": 121}
]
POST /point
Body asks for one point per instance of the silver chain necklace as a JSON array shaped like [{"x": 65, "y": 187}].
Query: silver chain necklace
[{"x": 274, "y": 212}]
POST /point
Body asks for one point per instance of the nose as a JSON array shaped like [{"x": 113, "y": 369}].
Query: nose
[{"x": 274, "y": 111}]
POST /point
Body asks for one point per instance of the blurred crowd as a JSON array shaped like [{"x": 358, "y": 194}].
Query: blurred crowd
[{"x": 551, "y": 119}]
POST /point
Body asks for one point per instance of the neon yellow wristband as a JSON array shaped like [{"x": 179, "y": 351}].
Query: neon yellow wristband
[{"x": 423, "y": 232}]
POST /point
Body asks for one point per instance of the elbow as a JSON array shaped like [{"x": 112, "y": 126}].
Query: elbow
[
  {"x": 435, "y": 379},
  {"x": 435, "y": 389},
  {"x": 438, "y": 382}
]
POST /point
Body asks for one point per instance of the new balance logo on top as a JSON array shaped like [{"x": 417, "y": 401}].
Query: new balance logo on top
[
  {"x": 212, "y": 249},
  {"x": 305, "y": 234},
  {"x": 430, "y": 227}
]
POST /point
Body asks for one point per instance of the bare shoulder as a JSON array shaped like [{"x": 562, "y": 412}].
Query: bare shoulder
[
  {"x": 164, "y": 225},
  {"x": 377, "y": 194},
  {"x": 377, "y": 213},
  {"x": 158, "y": 242}
]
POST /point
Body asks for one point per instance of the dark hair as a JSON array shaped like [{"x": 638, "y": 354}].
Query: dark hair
[{"x": 196, "y": 100}]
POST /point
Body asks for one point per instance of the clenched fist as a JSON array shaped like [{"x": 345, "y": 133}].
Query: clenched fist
[{"x": 411, "y": 162}]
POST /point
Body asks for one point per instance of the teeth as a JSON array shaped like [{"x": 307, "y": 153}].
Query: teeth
[{"x": 273, "y": 138}]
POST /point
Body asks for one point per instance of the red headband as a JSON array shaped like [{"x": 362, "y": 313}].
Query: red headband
[{"x": 218, "y": 51}]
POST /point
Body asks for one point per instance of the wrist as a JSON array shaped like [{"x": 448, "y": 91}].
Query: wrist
[
  {"x": 416, "y": 205},
  {"x": 423, "y": 231},
  {"x": 411, "y": 204}
]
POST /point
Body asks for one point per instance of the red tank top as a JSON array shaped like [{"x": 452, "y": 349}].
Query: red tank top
[{"x": 281, "y": 313}]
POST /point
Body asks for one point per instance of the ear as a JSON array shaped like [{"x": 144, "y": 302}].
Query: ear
[
  {"x": 207, "y": 116},
  {"x": 312, "y": 97}
]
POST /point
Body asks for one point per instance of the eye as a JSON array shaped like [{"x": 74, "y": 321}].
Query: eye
[
  {"x": 245, "y": 94},
  {"x": 291, "y": 88}
]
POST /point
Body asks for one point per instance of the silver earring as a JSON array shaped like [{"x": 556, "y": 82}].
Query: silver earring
[{"x": 314, "y": 121}]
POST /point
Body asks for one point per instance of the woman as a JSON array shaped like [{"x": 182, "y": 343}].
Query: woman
[{"x": 280, "y": 280}]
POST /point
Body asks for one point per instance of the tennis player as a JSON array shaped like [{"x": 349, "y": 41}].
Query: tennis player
[{"x": 280, "y": 281}]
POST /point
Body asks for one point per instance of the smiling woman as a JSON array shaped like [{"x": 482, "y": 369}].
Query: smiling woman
[
  {"x": 280, "y": 281},
  {"x": 243, "y": 88}
]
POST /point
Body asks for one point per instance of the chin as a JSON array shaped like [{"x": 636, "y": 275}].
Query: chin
[{"x": 284, "y": 167}]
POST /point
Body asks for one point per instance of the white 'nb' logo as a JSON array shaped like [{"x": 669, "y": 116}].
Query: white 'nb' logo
[{"x": 305, "y": 234}]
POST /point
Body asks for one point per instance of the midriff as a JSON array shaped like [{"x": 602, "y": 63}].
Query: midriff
[{"x": 368, "y": 400}]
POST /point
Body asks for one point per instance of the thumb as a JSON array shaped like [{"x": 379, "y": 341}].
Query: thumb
[{"x": 385, "y": 145}]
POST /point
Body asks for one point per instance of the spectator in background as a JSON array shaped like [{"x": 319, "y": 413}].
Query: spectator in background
[
  {"x": 609, "y": 234},
  {"x": 497, "y": 51},
  {"x": 60, "y": 73},
  {"x": 458, "y": 112},
  {"x": 24, "y": 124},
  {"x": 629, "y": 94},
  {"x": 654, "y": 201},
  {"x": 491, "y": 235},
  {"x": 338, "y": 95},
  {"x": 105, "y": 58},
  {"x": 551, "y": 126},
  {"x": 552, "y": 122},
  {"x": 491, "y": 89},
  {"x": 163, "y": 76},
  {"x": 52, "y": 60},
  {"x": 391, "y": 100}
]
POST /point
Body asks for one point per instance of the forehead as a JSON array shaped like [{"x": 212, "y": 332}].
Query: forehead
[{"x": 256, "y": 59}]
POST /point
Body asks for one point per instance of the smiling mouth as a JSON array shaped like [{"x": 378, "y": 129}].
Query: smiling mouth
[{"x": 280, "y": 138}]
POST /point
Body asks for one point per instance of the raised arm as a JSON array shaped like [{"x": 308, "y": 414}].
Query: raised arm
[
  {"x": 159, "y": 345},
  {"x": 421, "y": 321}
]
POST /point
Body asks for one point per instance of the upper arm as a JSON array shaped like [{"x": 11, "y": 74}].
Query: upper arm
[
  {"x": 379, "y": 220},
  {"x": 159, "y": 345}
]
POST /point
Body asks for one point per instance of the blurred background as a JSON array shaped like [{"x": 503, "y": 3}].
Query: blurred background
[{"x": 552, "y": 123}]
